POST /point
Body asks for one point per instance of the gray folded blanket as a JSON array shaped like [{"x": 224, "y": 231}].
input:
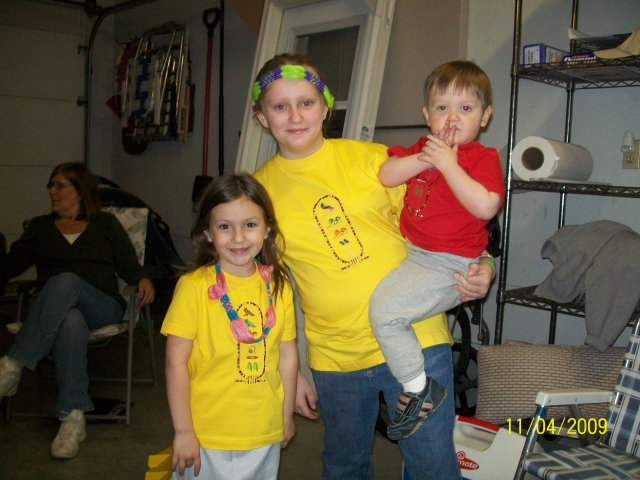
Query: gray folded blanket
[{"x": 602, "y": 260}]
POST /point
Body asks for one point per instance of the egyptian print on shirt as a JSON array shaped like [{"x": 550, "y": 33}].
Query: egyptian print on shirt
[
  {"x": 338, "y": 231},
  {"x": 416, "y": 198},
  {"x": 251, "y": 358}
]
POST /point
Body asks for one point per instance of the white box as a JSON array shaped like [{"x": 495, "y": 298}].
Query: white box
[
  {"x": 486, "y": 451},
  {"x": 541, "y": 53}
]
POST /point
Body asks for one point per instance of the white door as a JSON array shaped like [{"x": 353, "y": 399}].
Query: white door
[{"x": 348, "y": 40}]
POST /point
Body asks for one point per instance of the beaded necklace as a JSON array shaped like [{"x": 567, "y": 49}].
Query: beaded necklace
[{"x": 239, "y": 328}]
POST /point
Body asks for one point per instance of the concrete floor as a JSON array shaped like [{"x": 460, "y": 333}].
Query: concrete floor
[{"x": 113, "y": 450}]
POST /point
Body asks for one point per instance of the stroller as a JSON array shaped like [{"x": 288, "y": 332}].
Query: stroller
[{"x": 162, "y": 261}]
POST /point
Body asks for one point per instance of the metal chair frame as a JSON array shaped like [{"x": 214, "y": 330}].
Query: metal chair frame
[
  {"x": 146, "y": 322},
  {"x": 21, "y": 290},
  {"x": 615, "y": 450}
]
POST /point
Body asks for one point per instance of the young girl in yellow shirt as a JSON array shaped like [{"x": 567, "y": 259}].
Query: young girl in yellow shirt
[{"x": 231, "y": 356}]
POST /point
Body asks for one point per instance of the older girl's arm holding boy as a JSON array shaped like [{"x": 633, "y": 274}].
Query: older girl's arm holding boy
[
  {"x": 186, "y": 449},
  {"x": 288, "y": 369}
]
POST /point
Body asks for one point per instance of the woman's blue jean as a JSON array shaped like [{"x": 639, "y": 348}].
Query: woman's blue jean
[
  {"x": 59, "y": 320},
  {"x": 349, "y": 407}
]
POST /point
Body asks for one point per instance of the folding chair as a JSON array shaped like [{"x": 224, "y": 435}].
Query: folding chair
[
  {"x": 16, "y": 291},
  {"x": 615, "y": 453},
  {"x": 134, "y": 221}
]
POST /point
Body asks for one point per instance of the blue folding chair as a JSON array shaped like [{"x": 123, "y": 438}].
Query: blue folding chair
[{"x": 615, "y": 453}]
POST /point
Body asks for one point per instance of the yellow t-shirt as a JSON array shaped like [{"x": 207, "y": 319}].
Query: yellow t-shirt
[
  {"x": 341, "y": 234},
  {"x": 237, "y": 397}
]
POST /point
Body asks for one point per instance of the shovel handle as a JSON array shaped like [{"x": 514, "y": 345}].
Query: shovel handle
[{"x": 211, "y": 24}]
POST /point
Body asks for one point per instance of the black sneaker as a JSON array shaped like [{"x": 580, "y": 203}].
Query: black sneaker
[{"x": 413, "y": 409}]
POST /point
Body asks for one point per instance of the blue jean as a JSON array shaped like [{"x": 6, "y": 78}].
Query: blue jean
[
  {"x": 349, "y": 406},
  {"x": 59, "y": 320}
]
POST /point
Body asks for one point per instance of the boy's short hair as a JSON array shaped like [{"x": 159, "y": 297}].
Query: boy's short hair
[{"x": 462, "y": 75}]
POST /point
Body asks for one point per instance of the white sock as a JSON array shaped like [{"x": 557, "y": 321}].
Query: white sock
[{"x": 416, "y": 385}]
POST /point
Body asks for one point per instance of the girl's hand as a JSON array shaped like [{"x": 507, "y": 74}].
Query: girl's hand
[
  {"x": 475, "y": 284},
  {"x": 186, "y": 453},
  {"x": 146, "y": 292},
  {"x": 289, "y": 430},
  {"x": 305, "y": 398}
]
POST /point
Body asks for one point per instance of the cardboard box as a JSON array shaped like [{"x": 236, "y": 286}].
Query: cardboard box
[
  {"x": 159, "y": 465},
  {"x": 579, "y": 57},
  {"x": 486, "y": 451},
  {"x": 541, "y": 53}
]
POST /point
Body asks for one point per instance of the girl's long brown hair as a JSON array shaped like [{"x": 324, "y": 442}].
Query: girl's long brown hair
[{"x": 226, "y": 189}]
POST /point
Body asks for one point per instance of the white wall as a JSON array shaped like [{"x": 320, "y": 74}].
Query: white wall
[
  {"x": 41, "y": 75},
  {"x": 41, "y": 78},
  {"x": 425, "y": 34},
  {"x": 600, "y": 119},
  {"x": 163, "y": 175}
]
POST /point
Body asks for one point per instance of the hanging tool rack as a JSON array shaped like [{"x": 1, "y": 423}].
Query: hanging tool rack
[{"x": 156, "y": 91}]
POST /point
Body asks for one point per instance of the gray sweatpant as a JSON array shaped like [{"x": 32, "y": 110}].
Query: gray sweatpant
[{"x": 421, "y": 286}]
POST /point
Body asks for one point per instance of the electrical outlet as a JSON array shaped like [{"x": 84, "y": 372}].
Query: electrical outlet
[{"x": 632, "y": 159}]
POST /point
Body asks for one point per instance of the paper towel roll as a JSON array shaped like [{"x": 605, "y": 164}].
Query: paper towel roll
[{"x": 541, "y": 158}]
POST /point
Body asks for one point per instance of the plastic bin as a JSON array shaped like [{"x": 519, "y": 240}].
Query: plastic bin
[{"x": 485, "y": 451}]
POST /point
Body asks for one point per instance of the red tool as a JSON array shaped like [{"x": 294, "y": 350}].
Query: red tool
[{"x": 203, "y": 180}]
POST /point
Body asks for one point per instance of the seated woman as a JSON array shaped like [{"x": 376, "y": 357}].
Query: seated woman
[{"x": 77, "y": 250}]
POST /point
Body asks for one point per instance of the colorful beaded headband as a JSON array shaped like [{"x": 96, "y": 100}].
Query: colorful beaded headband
[{"x": 292, "y": 72}]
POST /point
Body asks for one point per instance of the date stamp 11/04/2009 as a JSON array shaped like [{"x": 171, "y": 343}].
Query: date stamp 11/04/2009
[{"x": 571, "y": 426}]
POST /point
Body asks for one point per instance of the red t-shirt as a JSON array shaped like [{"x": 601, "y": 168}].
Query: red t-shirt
[{"x": 433, "y": 218}]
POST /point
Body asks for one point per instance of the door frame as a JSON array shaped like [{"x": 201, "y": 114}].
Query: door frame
[{"x": 256, "y": 144}]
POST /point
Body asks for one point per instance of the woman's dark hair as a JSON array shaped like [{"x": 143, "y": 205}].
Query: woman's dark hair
[
  {"x": 226, "y": 189},
  {"x": 85, "y": 184}
]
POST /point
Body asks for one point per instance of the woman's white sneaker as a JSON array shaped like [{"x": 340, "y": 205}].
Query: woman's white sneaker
[
  {"x": 10, "y": 372},
  {"x": 72, "y": 432}
]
